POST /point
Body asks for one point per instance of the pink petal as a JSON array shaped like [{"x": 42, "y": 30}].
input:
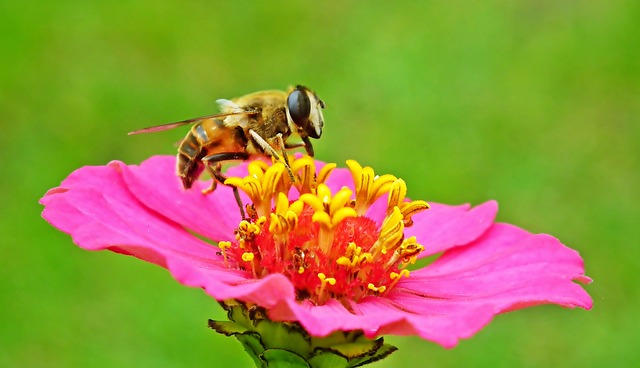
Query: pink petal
[
  {"x": 445, "y": 329},
  {"x": 453, "y": 298},
  {"x": 96, "y": 208},
  {"x": 443, "y": 227},
  {"x": 223, "y": 284},
  {"x": 378, "y": 316},
  {"x": 214, "y": 215},
  {"x": 507, "y": 268},
  {"x": 340, "y": 177}
]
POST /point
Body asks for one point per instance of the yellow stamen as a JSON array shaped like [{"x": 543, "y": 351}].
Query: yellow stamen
[
  {"x": 391, "y": 233},
  {"x": 365, "y": 257},
  {"x": 354, "y": 257},
  {"x": 282, "y": 203},
  {"x": 329, "y": 210},
  {"x": 322, "y": 218},
  {"x": 305, "y": 170},
  {"x": 324, "y": 280},
  {"x": 249, "y": 257},
  {"x": 345, "y": 261},
  {"x": 247, "y": 230},
  {"x": 313, "y": 201},
  {"x": 324, "y": 212},
  {"x": 395, "y": 277},
  {"x": 397, "y": 195},
  {"x": 261, "y": 185},
  {"x": 324, "y": 173},
  {"x": 377, "y": 290},
  {"x": 285, "y": 218},
  {"x": 406, "y": 252},
  {"x": 410, "y": 248},
  {"x": 369, "y": 187},
  {"x": 340, "y": 199},
  {"x": 342, "y": 214},
  {"x": 224, "y": 246}
]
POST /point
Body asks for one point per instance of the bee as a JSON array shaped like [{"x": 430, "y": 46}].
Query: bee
[{"x": 257, "y": 124}]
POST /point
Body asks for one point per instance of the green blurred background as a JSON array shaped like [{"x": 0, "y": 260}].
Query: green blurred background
[{"x": 532, "y": 103}]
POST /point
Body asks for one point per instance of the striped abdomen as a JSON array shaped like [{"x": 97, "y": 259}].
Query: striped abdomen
[{"x": 206, "y": 137}]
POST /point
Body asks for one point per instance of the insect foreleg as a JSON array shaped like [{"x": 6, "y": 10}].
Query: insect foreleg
[
  {"x": 283, "y": 148},
  {"x": 308, "y": 146},
  {"x": 266, "y": 147},
  {"x": 288, "y": 145}
]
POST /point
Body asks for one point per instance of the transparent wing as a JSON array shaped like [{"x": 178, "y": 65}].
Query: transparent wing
[{"x": 162, "y": 127}]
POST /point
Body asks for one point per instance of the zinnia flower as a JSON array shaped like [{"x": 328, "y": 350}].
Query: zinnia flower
[{"x": 332, "y": 251}]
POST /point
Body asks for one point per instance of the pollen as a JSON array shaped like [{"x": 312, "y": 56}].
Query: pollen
[
  {"x": 322, "y": 239},
  {"x": 377, "y": 289},
  {"x": 248, "y": 257}
]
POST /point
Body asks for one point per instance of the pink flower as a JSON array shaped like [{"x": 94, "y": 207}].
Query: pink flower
[{"x": 485, "y": 268}]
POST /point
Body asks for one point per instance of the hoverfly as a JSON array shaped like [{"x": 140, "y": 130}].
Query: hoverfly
[{"x": 249, "y": 126}]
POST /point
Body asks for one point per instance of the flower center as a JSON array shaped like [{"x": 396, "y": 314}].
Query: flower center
[{"x": 323, "y": 241}]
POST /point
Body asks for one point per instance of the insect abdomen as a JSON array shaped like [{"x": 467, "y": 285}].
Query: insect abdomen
[
  {"x": 206, "y": 137},
  {"x": 190, "y": 153}
]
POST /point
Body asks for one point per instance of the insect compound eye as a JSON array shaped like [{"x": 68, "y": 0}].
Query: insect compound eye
[{"x": 299, "y": 107}]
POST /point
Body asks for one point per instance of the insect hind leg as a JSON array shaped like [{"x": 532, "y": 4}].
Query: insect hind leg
[{"x": 214, "y": 166}]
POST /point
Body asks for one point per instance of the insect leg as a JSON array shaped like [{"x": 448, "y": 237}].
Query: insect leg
[
  {"x": 266, "y": 147},
  {"x": 213, "y": 164},
  {"x": 285, "y": 156},
  {"x": 214, "y": 170},
  {"x": 308, "y": 146},
  {"x": 288, "y": 145}
]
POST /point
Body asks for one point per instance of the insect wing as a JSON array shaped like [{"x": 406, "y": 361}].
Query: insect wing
[{"x": 160, "y": 128}]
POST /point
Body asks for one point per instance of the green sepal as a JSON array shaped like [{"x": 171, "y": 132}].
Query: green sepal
[
  {"x": 328, "y": 359},
  {"x": 278, "y": 335},
  {"x": 252, "y": 345},
  {"x": 288, "y": 344},
  {"x": 227, "y": 328},
  {"x": 280, "y": 358},
  {"x": 337, "y": 338},
  {"x": 355, "y": 350},
  {"x": 384, "y": 351}
]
